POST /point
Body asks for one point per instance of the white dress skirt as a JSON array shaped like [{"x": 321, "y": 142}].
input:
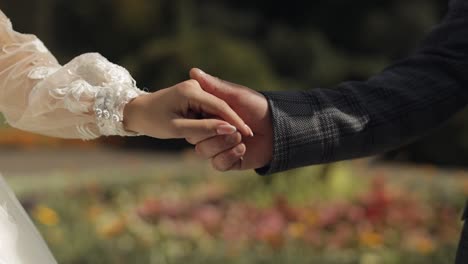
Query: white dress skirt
[{"x": 20, "y": 242}]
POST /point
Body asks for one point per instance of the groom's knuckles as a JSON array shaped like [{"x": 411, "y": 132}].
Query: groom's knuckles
[
  {"x": 220, "y": 166},
  {"x": 227, "y": 159},
  {"x": 232, "y": 140},
  {"x": 237, "y": 165}
]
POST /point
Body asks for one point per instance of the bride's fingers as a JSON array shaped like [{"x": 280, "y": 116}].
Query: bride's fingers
[
  {"x": 228, "y": 159},
  {"x": 216, "y": 145},
  {"x": 223, "y": 135},
  {"x": 201, "y": 129},
  {"x": 212, "y": 105}
]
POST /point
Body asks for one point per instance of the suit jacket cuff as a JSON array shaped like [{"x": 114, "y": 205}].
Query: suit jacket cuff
[{"x": 289, "y": 112}]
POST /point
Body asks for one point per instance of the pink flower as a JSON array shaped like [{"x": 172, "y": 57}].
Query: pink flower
[
  {"x": 210, "y": 217},
  {"x": 152, "y": 210},
  {"x": 270, "y": 228}
]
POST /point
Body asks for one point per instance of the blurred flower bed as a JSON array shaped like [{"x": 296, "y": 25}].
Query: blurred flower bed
[{"x": 350, "y": 215}]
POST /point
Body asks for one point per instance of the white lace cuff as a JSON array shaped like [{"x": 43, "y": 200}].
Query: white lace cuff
[
  {"x": 83, "y": 99},
  {"x": 109, "y": 106},
  {"x": 113, "y": 88}
]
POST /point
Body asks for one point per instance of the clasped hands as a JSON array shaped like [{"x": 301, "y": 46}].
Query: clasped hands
[{"x": 228, "y": 123}]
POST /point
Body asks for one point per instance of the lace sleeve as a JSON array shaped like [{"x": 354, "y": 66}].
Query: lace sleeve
[{"x": 82, "y": 99}]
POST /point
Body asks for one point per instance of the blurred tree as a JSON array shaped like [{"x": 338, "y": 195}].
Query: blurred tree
[{"x": 262, "y": 44}]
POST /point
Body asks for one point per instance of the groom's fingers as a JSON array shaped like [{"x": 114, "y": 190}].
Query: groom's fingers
[
  {"x": 216, "y": 145},
  {"x": 229, "y": 159},
  {"x": 212, "y": 105},
  {"x": 237, "y": 165}
]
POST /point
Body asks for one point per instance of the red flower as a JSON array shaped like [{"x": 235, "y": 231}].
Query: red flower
[{"x": 377, "y": 202}]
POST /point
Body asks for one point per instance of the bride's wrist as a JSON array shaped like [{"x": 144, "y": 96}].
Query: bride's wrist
[{"x": 132, "y": 114}]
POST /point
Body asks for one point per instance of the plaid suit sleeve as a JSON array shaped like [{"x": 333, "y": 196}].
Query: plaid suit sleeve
[{"x": 358, "y": 119}]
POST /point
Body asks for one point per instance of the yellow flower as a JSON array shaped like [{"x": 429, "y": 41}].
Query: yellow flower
[
  {"x": 46, "y": 215},
  {"x": 296, "y": 230},
  {"x": 112, "y": 229},
  {"x": 310, "y": 217},
  {"x": 421, "y": 243},
  {"x": 425, "y": 246},
  {"x": 93, "y": 212},
  {"x": 370, "y": 239}
]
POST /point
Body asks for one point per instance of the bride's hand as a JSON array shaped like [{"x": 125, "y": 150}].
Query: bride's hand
[{"x": 171, "y": 112}]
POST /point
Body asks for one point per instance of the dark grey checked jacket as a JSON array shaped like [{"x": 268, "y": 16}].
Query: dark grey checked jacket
[{"x": 358, "y": 119}]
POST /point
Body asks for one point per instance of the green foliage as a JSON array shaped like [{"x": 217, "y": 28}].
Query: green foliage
[{"x": 265, "y": 45}]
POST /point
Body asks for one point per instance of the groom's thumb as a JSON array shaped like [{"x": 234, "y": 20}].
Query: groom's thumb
[{"x": 213, "y": 85}]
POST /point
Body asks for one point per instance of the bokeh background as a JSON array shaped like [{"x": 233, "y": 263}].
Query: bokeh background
[{"x": 141, "y": 200}]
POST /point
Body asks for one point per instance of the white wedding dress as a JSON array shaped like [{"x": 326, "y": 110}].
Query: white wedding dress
[{"x": 82, "y": 99}]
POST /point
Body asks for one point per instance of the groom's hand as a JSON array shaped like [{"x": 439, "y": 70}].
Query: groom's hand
[{"x": 252, "y": 107}]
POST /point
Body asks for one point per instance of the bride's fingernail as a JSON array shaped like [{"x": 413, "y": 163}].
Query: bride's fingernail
[
  {"x": 250, "y": 131},
  {"x": 226, "y": 130}
]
